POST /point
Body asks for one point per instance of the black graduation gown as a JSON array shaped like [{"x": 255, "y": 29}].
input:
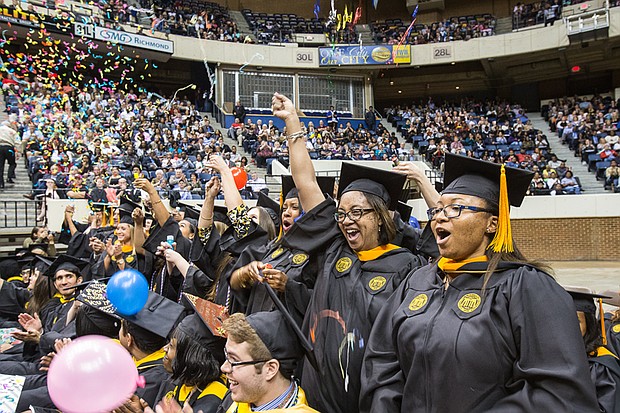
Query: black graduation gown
[
  {"x": 208, "y": 260},
  {"x": 298, "y": 254},
  {"x": 207, "y": 401},
  {"x": 605, "y": 373},
  {"x": 13, "y": 301},
  {"x": 613, "y": 335},
  {"x": 347, "y": 297},
  {"x": 152, "y": 369},
  {"x": 516, "y": 347}
]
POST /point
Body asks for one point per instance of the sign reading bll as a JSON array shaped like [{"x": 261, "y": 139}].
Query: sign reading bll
[{"x": 364, "y": 55}]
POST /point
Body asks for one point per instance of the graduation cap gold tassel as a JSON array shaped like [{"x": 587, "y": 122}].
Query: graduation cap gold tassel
[
  {"x": 601, "y": 315},
  {"x": 281, "y": 206},
  {"x": 502, "y": 242}
]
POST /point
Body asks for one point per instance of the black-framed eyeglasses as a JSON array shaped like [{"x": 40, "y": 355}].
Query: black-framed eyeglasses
[
  {"x": 354, "y": 215},
  {"x": 234, "y": 364},
  {"x": 453, "y": 211}
]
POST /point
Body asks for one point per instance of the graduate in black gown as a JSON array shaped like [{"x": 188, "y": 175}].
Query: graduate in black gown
[
  {"x": 360, "y": 270},
  {"x": 604, "y": 365},
  {"x": 289, "y": 262},
  {"x": 482, "y": 329},
  {"x": 612, "y": 321}
]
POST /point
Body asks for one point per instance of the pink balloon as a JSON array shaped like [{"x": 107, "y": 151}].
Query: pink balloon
[{"x": 92, "y": 374}]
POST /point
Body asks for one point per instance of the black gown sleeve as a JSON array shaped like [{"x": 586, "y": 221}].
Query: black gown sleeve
[
  {"x": 207, "y": 404},
  {"x": 605, "y": 374},
  {"x": 197, "y": 282},
  {"x": 13, "y": 300},
  {"x": 382, "y": 379},
  {"x": 549, "y": 373}
]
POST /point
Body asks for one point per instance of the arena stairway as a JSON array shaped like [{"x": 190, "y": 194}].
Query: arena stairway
[
  {"x": 242, "y": 24},
  {"x": 588, "y": 180},
  {"x": 503, "y": 25}
]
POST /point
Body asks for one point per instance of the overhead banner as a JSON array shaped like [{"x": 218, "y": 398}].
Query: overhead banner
[
  {"x": 364, "y": 55},
  {"x": 133, "y": 39}
]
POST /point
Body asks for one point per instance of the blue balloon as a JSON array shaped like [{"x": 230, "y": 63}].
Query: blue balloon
[{"x": 128, "y": 290}]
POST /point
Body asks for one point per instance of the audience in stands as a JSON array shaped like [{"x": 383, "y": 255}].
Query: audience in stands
[
  {"x": 496, "y": 131},
  {"x": 456, "y": 28},
  {"x": 590, "y": 129}
]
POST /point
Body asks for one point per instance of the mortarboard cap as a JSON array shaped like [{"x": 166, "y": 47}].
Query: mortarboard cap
[
  {"x": 404, "y": 210},
  {"x": 584, "y": 302},
  {"x": 276, "y": 332},
  {"x": 614, "y": 298},
  {"x": 69, "y": 263},
  {"x": 271, "y": 206},
  {"x": 191, "y": 211},
  {"x": 497, "y": 184},
  {"x": 326, "y": 183},
  {"x": 10, "y": 267},
  {"x": 44, "y": 247},
  {"x": 158, "y": 316},
  {"x": 220, "y": 213},
  {"x": 194, "y": 327},
  {"x": 387, "y": 185},
  {"x": 126, "y": 209}
]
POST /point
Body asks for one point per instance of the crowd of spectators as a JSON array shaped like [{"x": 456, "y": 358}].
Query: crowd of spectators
[
  {"x": 543, "y": 12},
  {"x": 280, "y": 27},
  {"x": 93, "y": 144},
  {"x": 327, "y": 139},
  {"x": 590, "y": 129},
  {"x": 456, "y": 28},
  {"x": 492, "y": 130}
]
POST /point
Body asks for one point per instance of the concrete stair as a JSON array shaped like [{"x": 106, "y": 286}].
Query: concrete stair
[
  {"x": 366, "y": 32},
  {"x": 242, "y": 24},
  {"x": 588, "y": 181},
  {"x": 503, "y": 25}
]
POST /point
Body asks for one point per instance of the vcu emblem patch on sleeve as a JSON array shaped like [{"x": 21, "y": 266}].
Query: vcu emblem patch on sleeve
[
  {"x": 377, "y": 282},
  {"x": 277, "y": 252},
  {"x": 299, "y": 258},
  {"x": 616, "y": 328},
  {"x": 343, "y": 264},
  {"x": 418, "y": 302},
  {"x": 469, "y": 302}
]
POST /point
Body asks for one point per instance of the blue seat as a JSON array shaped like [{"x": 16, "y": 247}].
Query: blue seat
[
  {"x": 592, "y": 159},
  {"x": 601, "y": 166},
  {"x": 204, "y": 177}
]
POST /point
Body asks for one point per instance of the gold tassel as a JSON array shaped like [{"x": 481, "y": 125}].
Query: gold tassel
[
  {"x": 281, "y": 206},
  {"x": 601, "y": 314},
  {"x": 502, "y": 242}
]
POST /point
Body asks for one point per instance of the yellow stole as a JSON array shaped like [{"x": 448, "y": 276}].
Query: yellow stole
[
  {"x": 215, "y": 388},
  {"x": 451, "y": 266},
  {"x": 157, "y": 355},
  {"x": 376, "y": 252}
]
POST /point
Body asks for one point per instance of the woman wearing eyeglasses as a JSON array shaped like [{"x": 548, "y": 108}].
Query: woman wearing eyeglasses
[
  {"x": 483, "y": 330},
  {"x": 360, "y": 270}
]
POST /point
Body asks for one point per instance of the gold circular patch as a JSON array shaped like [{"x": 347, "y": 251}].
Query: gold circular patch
[
  {"x": 418, "y": 302},
  {"x": 277, "y": 252},
  {"x": 129, "y": 258},
  {"x": 377, "y": 282},
  {"x": 469, "y": 302},
  {"x": 616, "y": 328},
  {"x": 299, "y": 258},
  {"x": 343, "y": 264}
]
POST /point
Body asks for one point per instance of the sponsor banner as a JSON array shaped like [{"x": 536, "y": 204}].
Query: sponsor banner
[
  {"x": 133, "y": 39},
  {"x": 29, "y": 19},
  {"x": 364, "y": 55}
]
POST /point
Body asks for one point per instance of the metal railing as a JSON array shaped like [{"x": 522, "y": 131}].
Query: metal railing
[
  {"x": 19, "y": 214},
  {"x": 589, "y": 21}
]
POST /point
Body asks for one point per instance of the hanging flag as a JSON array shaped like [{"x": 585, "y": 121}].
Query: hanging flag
[{"x": 375, "y": 3}]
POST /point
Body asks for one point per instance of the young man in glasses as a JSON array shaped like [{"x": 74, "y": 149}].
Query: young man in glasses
[{"x": 261, "y": 354}]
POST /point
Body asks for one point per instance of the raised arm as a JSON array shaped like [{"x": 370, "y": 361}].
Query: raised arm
[
  {"x": 429, "y": 193},
  {"x": 232, "y": 197},
  {"x": 212, "y": 188},
  {"x": 160, "y": 212},
  {"x": 310, "y": 194}
]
